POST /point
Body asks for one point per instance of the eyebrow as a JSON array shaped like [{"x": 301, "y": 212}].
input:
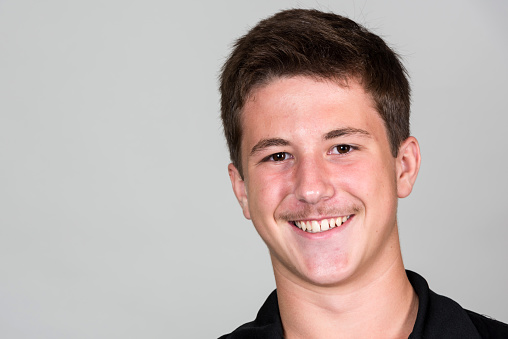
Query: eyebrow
[
  {"x": 266, "y": 143},
  {"x": 340, "y": 132}
]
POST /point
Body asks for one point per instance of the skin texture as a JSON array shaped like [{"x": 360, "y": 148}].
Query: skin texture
[{"x": 314, "y": 150}]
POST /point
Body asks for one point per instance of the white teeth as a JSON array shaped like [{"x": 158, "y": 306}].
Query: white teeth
[
  {"x": 315, "y": 226},
  {"x": 301, "y": 225},
  {"x": 324, "y": 225}
]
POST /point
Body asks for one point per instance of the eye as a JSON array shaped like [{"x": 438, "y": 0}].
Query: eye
[
  {"x": 342, "y": 149},
  {"x": 280, "y": 156}
]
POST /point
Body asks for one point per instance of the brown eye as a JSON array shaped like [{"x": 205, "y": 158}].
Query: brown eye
[
  {"x": 343, "y": 149},
  {"x": 279, "y": 156}
]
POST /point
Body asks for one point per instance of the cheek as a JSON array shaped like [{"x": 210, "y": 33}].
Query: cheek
[
  {"x": 267, "y": 191},
  {"x": 355, "y": 179},
  {"x": 368, "y": 181}
]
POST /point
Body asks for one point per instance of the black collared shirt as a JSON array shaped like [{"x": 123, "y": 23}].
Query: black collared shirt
[{"x": 438, "y": 317}]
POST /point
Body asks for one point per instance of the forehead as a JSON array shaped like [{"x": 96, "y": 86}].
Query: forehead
[{"x": 290, "y": 107}]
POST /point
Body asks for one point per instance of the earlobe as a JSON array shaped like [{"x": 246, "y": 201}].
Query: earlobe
[
  {"x": 239, "y": 189},
  {"x": 408, "y": 165}
]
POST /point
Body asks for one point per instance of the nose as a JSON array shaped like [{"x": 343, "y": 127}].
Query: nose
[{"x": 312, "y": 182}]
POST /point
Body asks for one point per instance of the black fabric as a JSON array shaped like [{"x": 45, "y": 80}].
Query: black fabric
[
  {"x": 266, "y": 325},
  {"x": 438, "y": 317}
]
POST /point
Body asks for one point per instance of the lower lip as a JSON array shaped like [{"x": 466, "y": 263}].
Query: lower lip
[{"x": 324, "y": 234}]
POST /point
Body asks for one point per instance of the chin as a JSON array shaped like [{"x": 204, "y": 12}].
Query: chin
[{"x": 330, "y": 273}]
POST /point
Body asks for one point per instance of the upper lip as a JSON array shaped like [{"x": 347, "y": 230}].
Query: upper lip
[{"x": 322, "y": 218}]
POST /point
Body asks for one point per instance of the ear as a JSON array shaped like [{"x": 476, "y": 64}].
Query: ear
[
  {"x": 239, "y": 188},
  {"x": 408, "y": 165}
]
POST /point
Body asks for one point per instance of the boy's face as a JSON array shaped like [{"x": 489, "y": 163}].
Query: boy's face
[{"x": 320, "y": 182}]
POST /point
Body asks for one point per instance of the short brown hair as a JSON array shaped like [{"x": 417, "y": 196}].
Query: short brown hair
[{"x": 321, "y": 45}]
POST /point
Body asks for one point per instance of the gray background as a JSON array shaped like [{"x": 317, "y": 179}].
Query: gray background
[{"x": 116, "y": 215}]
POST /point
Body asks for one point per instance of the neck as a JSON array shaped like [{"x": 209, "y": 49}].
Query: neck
[{"x": 382, "y": 302}]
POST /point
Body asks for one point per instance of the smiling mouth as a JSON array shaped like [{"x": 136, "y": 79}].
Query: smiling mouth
[{"x": 317, "y": 226}]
